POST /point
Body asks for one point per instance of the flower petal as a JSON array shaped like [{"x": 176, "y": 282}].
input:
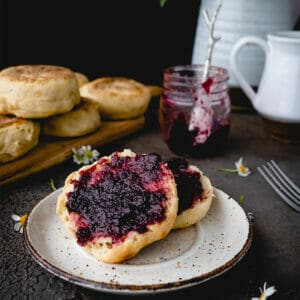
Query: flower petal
[
  {"x": 244, "y": 174},
  {"x": 79, "y": 152},
  {"x": 264, "y": 286},
  {"x": 270, "y": 291},
  {"x": 15, "y": 218},
  {"x": 95, "y": 154},
  {"x": 21, "y": 229},
  {"x": 17, "y": 226},
  {"x": 239, "y": 163}
]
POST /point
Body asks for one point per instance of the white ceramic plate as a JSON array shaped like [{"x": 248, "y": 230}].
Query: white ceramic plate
[{"x": 185, "y": 258}]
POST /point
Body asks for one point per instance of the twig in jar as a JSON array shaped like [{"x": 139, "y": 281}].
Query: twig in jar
[{"x": 211, "y": 39}]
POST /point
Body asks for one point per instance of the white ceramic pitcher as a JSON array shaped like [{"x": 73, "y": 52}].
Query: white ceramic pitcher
[
  {"x": 239, "y": 18},
  {"x": 278, "y": 96}
]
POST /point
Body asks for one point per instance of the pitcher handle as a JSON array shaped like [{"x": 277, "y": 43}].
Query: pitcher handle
[{"x": 244, "y": 41}]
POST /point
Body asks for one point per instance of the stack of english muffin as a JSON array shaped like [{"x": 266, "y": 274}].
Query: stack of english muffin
[{"x": 56, "y": 101}]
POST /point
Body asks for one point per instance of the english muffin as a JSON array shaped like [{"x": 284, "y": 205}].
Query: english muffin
[
  {"x": 194, "y": 190},
  {"x": 119, "y": 204},
  {"x": 117, "y": 97},
  {"x": 37, "y": 91},
  {"x": 154, "y": 90},
  {"x": 81, "y": 78},
  {"x": 83, "y": 119},
  {"x": 17, "y": 136}
]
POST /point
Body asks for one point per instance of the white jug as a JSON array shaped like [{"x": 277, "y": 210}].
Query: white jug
[
  {"x": 278, "y": 96},
  {"x": 239, "y": 18}
]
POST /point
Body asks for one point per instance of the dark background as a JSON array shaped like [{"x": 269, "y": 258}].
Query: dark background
[
  {"x": 138, "y": 39},
  {"x": 133, "y": 38}
]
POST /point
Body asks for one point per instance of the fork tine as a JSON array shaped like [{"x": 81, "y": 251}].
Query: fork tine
[
  {"x": 296, "y": 197},
  {"x": 296, "y": 188},
  {"x": 279, "y": 192},
  {"x": 275, "y": 180}
]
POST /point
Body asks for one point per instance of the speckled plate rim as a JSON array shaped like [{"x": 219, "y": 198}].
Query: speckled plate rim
[{"x": 126, "y": 289}]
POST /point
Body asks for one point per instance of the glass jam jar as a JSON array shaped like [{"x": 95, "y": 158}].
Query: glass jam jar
[{"x": 194, "y": 116}]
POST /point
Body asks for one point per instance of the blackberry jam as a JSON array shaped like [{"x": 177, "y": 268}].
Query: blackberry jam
[
  {"x": 188, "y": 183},
  {"x": 111, "y": 200},
  {"x": 194, "y": 115}
]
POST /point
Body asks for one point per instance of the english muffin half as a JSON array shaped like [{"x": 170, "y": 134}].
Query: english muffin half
[
  {"x": 155, "y": 90},
  {"x": 81, "y": 78},
  {"x": 117, "y": 97},
  {"x": 17, "y": 137},
  {"x": 83, "y": 119},
  {"x": 37, "y": 91},
  {"x": 119, "y": 204},
  {"x": 194, "y": 190}
]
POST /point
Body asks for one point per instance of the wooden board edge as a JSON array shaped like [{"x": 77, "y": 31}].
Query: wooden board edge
[{"x": 54, "y": 160}]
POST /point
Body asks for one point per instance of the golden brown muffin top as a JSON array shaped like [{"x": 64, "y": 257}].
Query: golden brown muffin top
[
  {"x": 81, "y": 78},
  {"x": 36, "y": 73},
  {"x": 117, "y": 85}
]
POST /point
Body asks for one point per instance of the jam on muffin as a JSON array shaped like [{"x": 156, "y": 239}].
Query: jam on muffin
[
  {"x": 119, "y": 204},
  {"x": 194, "y": 190}
]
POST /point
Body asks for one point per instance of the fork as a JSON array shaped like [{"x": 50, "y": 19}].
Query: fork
[{"x": 288, "y": 191}]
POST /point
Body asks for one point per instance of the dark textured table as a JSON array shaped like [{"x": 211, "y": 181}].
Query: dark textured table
[{"x": 273, "y": 257}]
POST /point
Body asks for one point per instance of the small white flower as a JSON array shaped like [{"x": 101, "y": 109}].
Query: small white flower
[
  {"x": 85, "y": 155},
  {"x": 265, "y": 292},
  {"x": 241, "y": 168},
  {"x": 20, "y": 221}
]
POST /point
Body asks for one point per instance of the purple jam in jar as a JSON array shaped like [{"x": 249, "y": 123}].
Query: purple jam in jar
[{"x": 194, "y": 115}]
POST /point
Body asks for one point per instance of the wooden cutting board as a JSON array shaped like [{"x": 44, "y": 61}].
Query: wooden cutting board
[{"x": 52, "y": 151}]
